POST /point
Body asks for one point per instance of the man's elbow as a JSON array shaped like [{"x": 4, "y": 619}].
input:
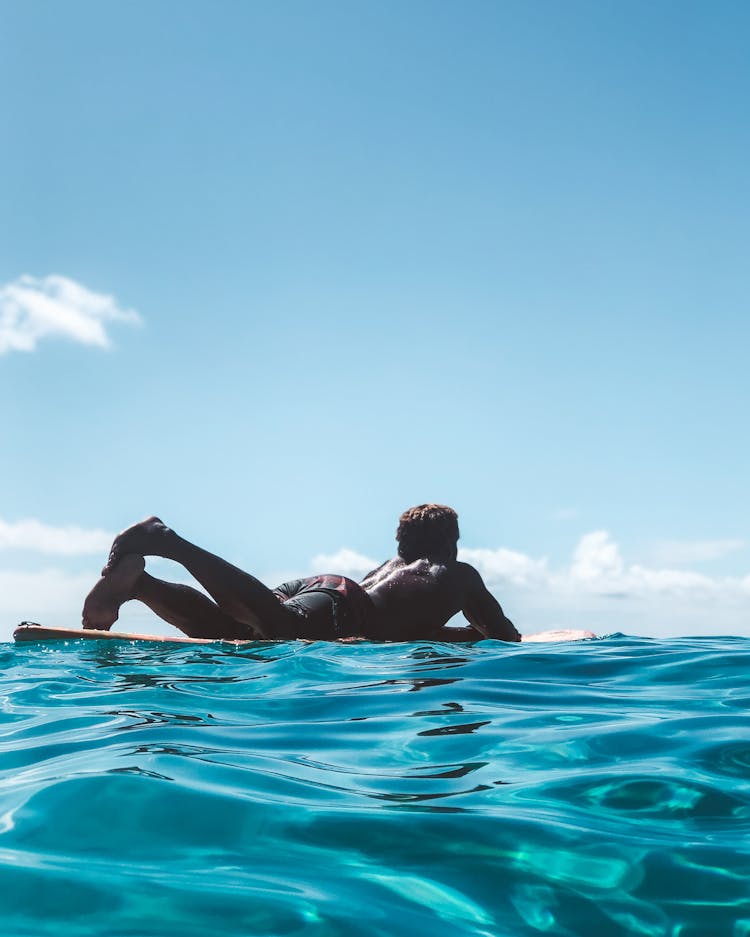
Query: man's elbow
[
  {"x": 502, "y": 632},
  {"x": 512, "y": 637},
  {"x": 506, "y": 632}
]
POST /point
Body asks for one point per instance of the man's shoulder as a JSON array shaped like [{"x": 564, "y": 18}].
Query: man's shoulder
[
  {"x": 466, "y": 569},
  {"x": 470, "y": 577}
]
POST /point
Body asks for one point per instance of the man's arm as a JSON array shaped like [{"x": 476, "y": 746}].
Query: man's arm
[{"x": 482, "y": 610}]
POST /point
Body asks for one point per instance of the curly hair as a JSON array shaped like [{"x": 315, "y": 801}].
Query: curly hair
[{"x": 425, "y": 530}]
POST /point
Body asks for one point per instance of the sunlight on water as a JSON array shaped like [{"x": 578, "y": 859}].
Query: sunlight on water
[{"x": 598, "y": 788}]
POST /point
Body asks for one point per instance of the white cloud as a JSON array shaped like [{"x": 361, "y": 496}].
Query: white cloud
[
  {"x": 688, "y": 552},
  {"x": 63, "y": 541},
  {"x": 345, "y": 562},
  {"x": 597, "y": 562},
  {"x": 641, "y": 579},
  {"x": 505, "y": 565},
  {"x": 49, "y": 596},
  {"x": 34, "y": 308}
]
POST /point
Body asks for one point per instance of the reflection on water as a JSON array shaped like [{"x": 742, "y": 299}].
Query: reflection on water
[{"x": 596, "y": 788}]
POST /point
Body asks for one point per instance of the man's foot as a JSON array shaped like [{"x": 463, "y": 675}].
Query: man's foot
[
  {"x": 102, "y": 605},
  {"x": 149, "y": 538}
]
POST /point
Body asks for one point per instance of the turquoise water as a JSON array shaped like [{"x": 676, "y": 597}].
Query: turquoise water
[{"x": 598, "y": 788}]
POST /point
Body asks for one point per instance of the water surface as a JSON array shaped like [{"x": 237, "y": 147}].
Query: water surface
[{"x": 596, "y": 788}]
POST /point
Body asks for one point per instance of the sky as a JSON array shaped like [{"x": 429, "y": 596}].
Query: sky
[{"x": 277, "y": 271}]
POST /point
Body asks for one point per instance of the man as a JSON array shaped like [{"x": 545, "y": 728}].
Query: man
[{"x": 408, "y": 598}]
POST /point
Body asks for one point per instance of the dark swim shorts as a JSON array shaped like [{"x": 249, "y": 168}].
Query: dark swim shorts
[{"x": 333, "y": 606}]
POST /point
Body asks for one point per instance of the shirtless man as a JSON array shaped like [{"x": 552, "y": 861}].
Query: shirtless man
[{"x": 408, "y": 598}]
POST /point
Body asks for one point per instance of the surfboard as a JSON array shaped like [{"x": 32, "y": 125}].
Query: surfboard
[
  {"x": 567, "y": 634},
  {"x": 30, "y": 631}
]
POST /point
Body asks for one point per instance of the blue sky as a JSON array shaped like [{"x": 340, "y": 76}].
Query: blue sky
[{"x": 313, "y": 263}]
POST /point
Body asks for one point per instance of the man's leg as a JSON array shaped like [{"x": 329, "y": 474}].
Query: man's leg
[
  {"x": 190, "y": 611},
  {"x": 238, "y": 594},
  {"x": 185, "y": 608}
]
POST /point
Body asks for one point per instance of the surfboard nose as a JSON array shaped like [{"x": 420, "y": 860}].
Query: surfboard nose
[{"x": 25, "y": 631}]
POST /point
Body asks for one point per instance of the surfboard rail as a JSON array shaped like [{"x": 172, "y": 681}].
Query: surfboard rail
[{"x": 29, "y": 631}]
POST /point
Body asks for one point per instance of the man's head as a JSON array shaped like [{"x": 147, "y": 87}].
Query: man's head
[{"x": 427, "y": 530}]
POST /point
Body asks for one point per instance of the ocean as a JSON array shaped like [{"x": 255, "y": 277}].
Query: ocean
[{"x": 596, "y": 788}]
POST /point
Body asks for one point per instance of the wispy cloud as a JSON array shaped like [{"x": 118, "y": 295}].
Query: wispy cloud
[
  {"x": 63, "y": 541},
  {"x": 598, "y": 568},
  {"x": 597, "y": 562},
  {"x": 35, "y": 308},
  {"x": 49, "y": 596},
  {"x": 504, "y": 565},
  {"x": 345, "y": 562},
  {"x": 689, "y": 552}
]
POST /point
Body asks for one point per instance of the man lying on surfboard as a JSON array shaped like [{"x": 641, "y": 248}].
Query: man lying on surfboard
[{"x": 408, "y": 598}]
